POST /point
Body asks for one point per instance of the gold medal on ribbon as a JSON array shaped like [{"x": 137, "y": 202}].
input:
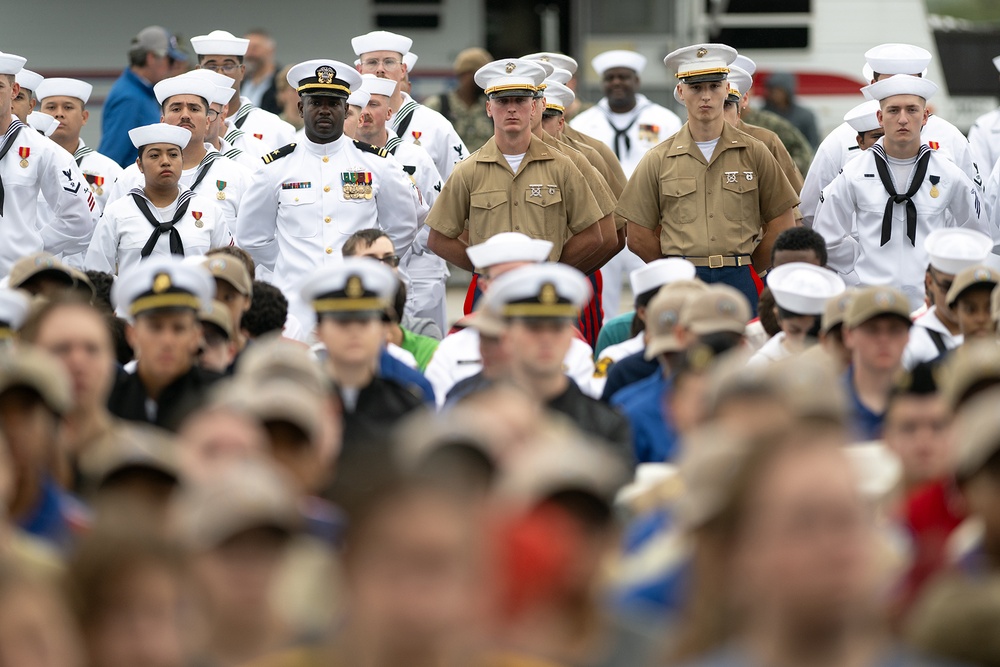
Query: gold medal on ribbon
[
  {"x": 935, "y": 193},
  {"x": 24, "y": 152}
]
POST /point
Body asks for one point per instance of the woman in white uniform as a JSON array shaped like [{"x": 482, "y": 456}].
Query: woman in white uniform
[{"x": 159, "y": 218}]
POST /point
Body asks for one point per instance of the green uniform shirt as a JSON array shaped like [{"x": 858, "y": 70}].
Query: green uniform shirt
[{"x": 421, "y": 347}]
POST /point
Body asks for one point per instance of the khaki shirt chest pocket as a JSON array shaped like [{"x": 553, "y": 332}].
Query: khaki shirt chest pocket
[
  {"x": 740, "y": 199},
  {"x": 680, "y": 199},
  {"x": 488, "y": 214},
  {"x": 544, "y": 214},
  {"x": 297, "y": 216}
]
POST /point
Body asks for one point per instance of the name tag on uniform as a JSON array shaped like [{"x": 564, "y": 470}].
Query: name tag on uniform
[{"x": 298, "y": 185}]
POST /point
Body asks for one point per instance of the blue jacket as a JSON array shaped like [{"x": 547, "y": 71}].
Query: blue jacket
[
  {"x": 653, "y": 437},
  {"x": 130, "y": 104},
  {"x": 392, "y": 368}
]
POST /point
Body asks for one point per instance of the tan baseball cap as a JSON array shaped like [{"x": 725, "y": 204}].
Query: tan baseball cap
[
  {"x": 968, "y": 365},
  {"x": 471, "y": 60},
  {"x": 231, "y": 270},
  {"x": 134, "y": 447},
  {"x": 870, "y": 302},
  {"x": 35, "y": 369},
  {"x": 275, "y": 357},
  {"x": 282, "y": 400},
  {"x": 663, "y": 315},
  {"x": 719, "y": 309},
  {"x": 246, "y": 495},
  {"x": 978, "y": 275},
  {"x": 710, "y": 460},
  {"x": 215, "y": 312},
  {"x": 836, "y": 310},
  {"x": 978, "y": 432},
  {"x": 995, "y": 305},
  {"x": 30, "y": 266}
]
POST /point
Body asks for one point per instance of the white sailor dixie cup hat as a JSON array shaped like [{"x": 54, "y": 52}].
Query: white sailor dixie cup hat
[
  {"x": 557, "y": 60},
  {"x": 547, "y": 290},
  {"x": 508, "y": 247},
  {"x": 324, "y": 77},
  {"x": 410, "y": 60},
  {"x": 358, "y": 286},
  {"x": 43, "y": 123},
  {"x": 660, "y": 272},
  {"x": 359, "y": 98},
  {"x": 14, "y": 306},
  {"x": 381, "y": 40},
  {"x": 159, "y": 133},
  {"x": 28, "y": 79},
  {"x": 701, "y": 62},
  {"x": 864, "y": 117},
  {"x": 900, "y": 84},
  {"x": 740, "y": 82},
  {"x": 11, "y": 64},
  {"x": 512, "y": 77},
  {"x": 184, "y": 85},
  {"x": 803, "y": 288},
  {"x": 557, "y": 96},
  {"x": 602, "y": 62},
  {"x": 62, "y": 87},
  {"x": 897, "y": 59},
  {"x": 373, "y": 85},
  {"x": 223, "y": 84},
  {"x": 220, "y": 43},
  {"x": 161, "y": 283},
  {"x": 952, "y": 250}
]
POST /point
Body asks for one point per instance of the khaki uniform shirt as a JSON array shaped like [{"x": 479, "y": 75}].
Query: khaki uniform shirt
[
  {"x": 778, "y": 150},
  {"x": 595, "y": 158},
  {"x": 602, "y": 193},
  {"x": 703, "y": 209},
  {"x": 548, "y": 198},
  {"x": 572, "y": 134}
]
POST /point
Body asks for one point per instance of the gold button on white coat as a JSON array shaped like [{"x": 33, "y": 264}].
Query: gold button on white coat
[
  {"x": 326, "y": 159},
  {"x": 326, "y": 219},
  {"x": 329, "y": 251},
  {"x": 326, "y": 188}
]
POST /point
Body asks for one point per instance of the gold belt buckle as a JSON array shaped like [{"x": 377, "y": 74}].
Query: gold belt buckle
[{"x": 715, "y": 261}]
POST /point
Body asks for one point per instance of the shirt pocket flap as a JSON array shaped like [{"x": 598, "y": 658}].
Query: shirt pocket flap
[
  {"x": 488, "y": 200},
  {"x": 544, "y": 196},
  {"x": 297, "y": 196},
  {"x": 678, "y": 187}
]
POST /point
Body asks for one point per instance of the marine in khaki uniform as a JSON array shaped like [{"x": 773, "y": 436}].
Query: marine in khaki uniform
[
  {"x": 515, "y": 183},
  {"x": 710, "y": 193}
]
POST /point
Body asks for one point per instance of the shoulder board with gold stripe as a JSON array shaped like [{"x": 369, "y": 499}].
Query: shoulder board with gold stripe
[
  {"x": 278, "y": 153},
  {"x": 368, "y": 148}
]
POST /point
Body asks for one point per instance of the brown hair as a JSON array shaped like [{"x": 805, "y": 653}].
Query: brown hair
[
  {"x": 41, "y": 310},
  {"x": 364, "y": 236}
]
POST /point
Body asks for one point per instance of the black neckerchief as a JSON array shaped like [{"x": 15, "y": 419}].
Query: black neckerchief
[
  {"x": 176, "y": 244},
  {"x": 8, "y": 140},
  {"x": 882, "y": 165}
]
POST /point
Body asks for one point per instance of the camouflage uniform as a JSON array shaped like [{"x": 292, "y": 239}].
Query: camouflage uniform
[
  {"x": 471, "y": 122},
  {"x": 796, "y": 142}
]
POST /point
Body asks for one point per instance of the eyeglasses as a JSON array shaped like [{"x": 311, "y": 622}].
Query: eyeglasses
[
  {"x": 387, "y": 63},
  {"x": 389, "y": 260},
  {"x": 212, "y": 114},
  {"x": 943, "y": 285},
  {"x": 227, "y": 68}
]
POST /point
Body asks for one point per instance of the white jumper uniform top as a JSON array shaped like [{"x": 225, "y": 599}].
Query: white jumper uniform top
[
  {"x": 432, "y": 131},
  {"x": 837, "y": 149},
  {"x": 123, "y": 231},
  {"x": 922, "y": 346},
  {"x": 33, "y": 165},
  {"x": 850, "y": 220},
  {"x": 263, "y": 125}
]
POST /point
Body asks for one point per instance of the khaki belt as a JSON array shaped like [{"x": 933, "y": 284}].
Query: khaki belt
[{"x": 719, "y": 261}]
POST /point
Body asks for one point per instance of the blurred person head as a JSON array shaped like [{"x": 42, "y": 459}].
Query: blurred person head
[
  {"x": 864, "y": 120},
  {"x": 619, "y": 72},
  {"x": 411, "y": 563},
  {"x": 716, "y": 319},
  {"x": 663, "y": 337},
  {"x": 918, "y": 427},
  {"x": 236, "y": 528},
  {"x": 288, "y": 99},
  {"x": 153, "y": 53},
  {"x": 784, "y": 507},
  {"x": 267, "y": 313},
  {"x": 687, "y": 403},
  {"x": 25, "y": 100},
  {"x": 953, "y": 620},
  {"x": 130, "y": 593},
  {"x": 801, "y": 291},
  {"x": 831, "y": 330},
  {"x": 233, "y": 287},
  {"x": 647, "y": 281},
  {"x": 218, "y": 339},
  {"x": 780, "y": 89},
  {"x": 36, "y": 627},
  {"x": 41, "y": 274},
  {"x": 877, "y": 329},
  {"x": 505, "y": 415},
  {"x": 221, "y": 435},
  {"x": 134, "y": 476},
  {"x": 373, "y": 243},
  {"x": 798, "y": 244},
  {"x": 259, "y": 57},
  {"x": 79, "y": 335},
  {"x": 977, "y": 469},
  {"x": 466, "y": 63},
  {"x": 35, "y": 394},
  {"x": 969, "y": 300}
]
